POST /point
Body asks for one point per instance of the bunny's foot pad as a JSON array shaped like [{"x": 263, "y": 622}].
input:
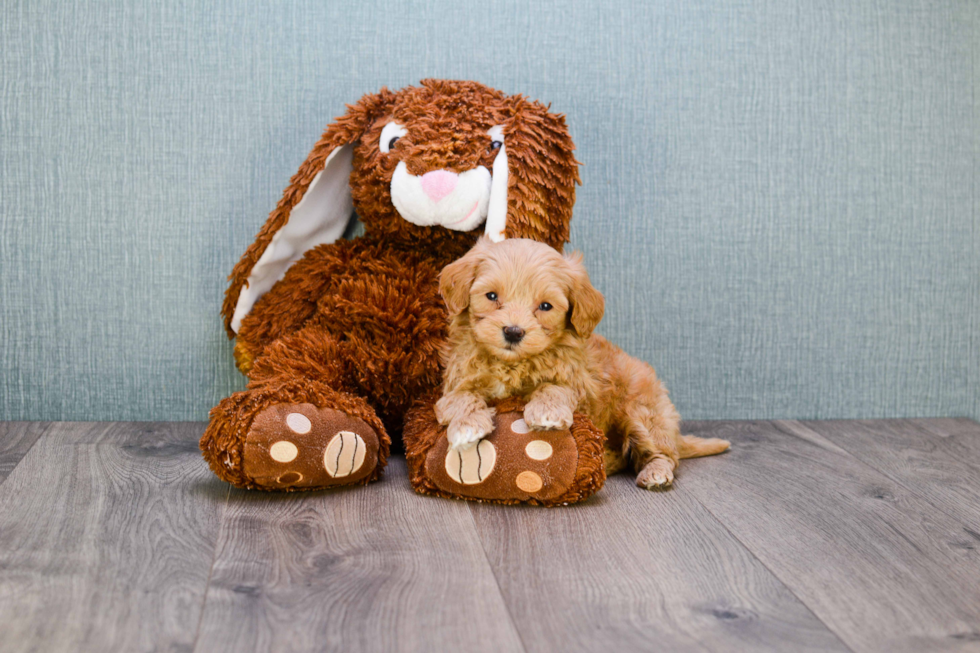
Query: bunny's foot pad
[
  {"x": 300, "y": 446},
  {"x": 295, "y": 436},
  {"x": 514, "y": 464}
]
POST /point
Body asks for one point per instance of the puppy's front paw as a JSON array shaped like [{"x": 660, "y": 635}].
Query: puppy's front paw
[
  {"x": 657, "y": 474},
  {"x": 547, "y": 416},
  {"x": 464, "y": 431}
]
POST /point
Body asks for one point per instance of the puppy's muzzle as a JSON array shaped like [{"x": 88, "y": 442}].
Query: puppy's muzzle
[{"x": 513, "y": 334}]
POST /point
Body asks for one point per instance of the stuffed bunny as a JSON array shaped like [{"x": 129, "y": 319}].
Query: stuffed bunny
[{"x": 339, "y": 337}]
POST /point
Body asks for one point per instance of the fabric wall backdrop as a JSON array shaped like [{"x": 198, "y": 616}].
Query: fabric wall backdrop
[{"x": 780, "y": 197}]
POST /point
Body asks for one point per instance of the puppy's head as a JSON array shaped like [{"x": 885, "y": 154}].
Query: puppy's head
[{"x": 520, "y": 297}]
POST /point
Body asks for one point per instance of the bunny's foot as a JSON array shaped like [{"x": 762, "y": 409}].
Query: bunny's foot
[{"x": 257, "y": 442}]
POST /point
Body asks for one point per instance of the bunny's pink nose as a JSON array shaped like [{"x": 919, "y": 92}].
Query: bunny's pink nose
[{"x": 439, "y": 183}]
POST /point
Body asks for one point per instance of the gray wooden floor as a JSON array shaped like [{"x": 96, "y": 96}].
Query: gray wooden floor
[{"x": 860, "y": 536}]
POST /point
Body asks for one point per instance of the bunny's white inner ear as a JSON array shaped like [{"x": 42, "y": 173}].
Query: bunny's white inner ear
[
  {"x": 320, "y": 217},
  {"x": 497, "y": 208}
]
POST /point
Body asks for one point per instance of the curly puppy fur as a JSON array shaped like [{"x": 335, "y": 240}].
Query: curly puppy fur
[
  {"x": 522, "y": 322},
  {"x": 360, "y": 322}
]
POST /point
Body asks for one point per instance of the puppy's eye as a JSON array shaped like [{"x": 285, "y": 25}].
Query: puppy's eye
[
  {"x": 545, "y": 306},
  {"x": 492, "y": 296},
  {"x": 495, "y": 145},
  {"x": 390, "y": 135}
]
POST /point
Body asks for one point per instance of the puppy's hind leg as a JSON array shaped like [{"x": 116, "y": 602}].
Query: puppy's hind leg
[
  {"x": 655, "y": 467},
  {"x": 658, "y": 474},
  {"x": 616, "y": 456},
  {"x": 644, "y": 414},
  {"x": 653, "y": 448}
]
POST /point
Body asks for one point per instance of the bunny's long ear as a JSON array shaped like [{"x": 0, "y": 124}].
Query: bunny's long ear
[
  {"x": 534, "y": 176},
  {"x": 314, "y": 209}
]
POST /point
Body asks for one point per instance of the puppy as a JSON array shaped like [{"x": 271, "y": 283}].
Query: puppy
[{"x": 522, "y": 317}]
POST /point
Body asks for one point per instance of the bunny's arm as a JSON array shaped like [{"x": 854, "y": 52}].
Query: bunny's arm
[{"x": 292, "y": 302}]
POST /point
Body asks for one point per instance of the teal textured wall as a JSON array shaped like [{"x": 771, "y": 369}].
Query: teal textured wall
[{"x": 780, "y": 197}]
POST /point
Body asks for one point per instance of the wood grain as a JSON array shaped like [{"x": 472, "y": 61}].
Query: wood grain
[
  {"x": 805, "y": 536},
  {"x": 637, "y": 570},
  {"x": 16, "y": 439},
  {"x": 875, "y": 562},
  {"x": 107, "y": 533},
  {"x": 938, "y": 460},
  {"x": 948, "y": 426},
  {"x": 374, "y": 568}
]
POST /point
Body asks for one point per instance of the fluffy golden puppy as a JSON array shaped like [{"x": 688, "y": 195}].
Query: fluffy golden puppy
[{"x": 522, "y": 317}]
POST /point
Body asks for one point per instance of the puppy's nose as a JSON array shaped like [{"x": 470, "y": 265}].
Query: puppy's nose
[
  {"x": 513, "y": 334},
  {"x": 439, "y": 183}
]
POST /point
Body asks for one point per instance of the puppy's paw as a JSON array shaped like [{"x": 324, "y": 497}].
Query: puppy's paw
[
  {"x": 462, "y": 437},
  {"x": 658, "y": 474},
  {"x": 467, "y": 429},
  {"x": 547, "y": 416}
]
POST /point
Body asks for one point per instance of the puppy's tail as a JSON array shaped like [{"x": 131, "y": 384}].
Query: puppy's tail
[{"x": 694, "y": 447}]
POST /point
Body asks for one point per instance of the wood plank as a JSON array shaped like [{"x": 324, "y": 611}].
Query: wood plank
[
  {"x": 637, "y": 570},
  {"x": 16, "y": 439},
  {"x": 949, "y": 426},
  {"x": 368, "y": 568},
  {"x": 875, "y": 562},
  {"x": 937, "y": 459},
  {"x": 107, "y": 532}
]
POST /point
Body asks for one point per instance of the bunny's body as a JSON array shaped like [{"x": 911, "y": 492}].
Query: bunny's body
[
  {"x": 338, "y": 337},
  {"x": 362, "y": 315}
]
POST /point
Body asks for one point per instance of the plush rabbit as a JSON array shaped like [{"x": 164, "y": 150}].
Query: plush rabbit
[{"x": 339, "y": 337}]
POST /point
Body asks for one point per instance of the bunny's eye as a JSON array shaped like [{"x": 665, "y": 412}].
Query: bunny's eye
[
  {"x": 492, "y": 296},
  {"x": 390, "y": 135},
  {"x": 545, "y": 306},
  {"x": 496, "y": 135}
]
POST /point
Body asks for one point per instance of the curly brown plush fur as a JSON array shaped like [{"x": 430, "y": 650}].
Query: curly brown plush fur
[{"x": 358, "y": 324}]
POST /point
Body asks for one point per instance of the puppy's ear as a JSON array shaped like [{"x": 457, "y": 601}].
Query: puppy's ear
[
  {"x": 314, "y": 210},
  {"x": 586, "y": 304},
  {"x": 457, "y": 278},
  {"x": 534, "y": 176}
]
